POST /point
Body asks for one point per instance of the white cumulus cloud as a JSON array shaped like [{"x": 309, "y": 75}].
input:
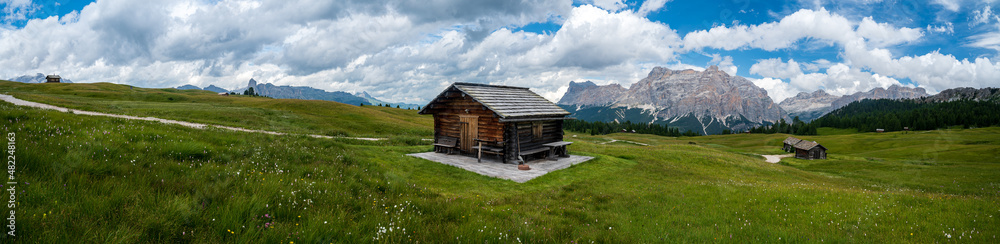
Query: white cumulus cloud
[
  {"x": 776, "y": 68},
  {"x": 816, "y": 25},
  {"x": 650, "y": 6},
  {"x": 776, "y": 89}
]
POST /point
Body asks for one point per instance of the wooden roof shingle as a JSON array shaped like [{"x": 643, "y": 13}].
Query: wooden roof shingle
[
  {"x": 806, "y": 145},
  {"x": 508, "y": 102},
  {"x": 792, "y": 140}
]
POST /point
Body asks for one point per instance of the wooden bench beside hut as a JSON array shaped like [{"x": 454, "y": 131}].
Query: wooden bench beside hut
[{"x": 506, "y": 121}]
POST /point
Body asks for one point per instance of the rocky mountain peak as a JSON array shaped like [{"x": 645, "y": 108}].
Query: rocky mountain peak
[
  {"x": 589, "y": 94},
  {"x": 982, "y": 94},
  {"x": 252, "y": 83},
  {"x": 810, "y": 106},
  {"x": 364, "y": 94},
  {"x": 581, "y": 85},
  {"x": 710, "y": 93},
  {"x": 804, "y": 101},
  {"x": 893, "y": 92},
  {"x": 659, "y": 72},
  {"x": 710, "y": 98},
  {"x": 820, "y": 93}
]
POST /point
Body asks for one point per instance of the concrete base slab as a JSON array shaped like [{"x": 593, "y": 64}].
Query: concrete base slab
[{"x": 491, "y": 166}]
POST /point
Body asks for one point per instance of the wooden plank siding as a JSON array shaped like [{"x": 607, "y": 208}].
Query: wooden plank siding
[
  {"x": 503, "y": 116},
  {"x": 447, "y": 122},
  {"x": 551, "y": 132}
]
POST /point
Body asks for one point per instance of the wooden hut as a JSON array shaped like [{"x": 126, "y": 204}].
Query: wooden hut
[
  {"x": 810, "y": 150},
  {"x": 501, "y": 120},
  {"x": 790, "y": 144},
  {"x": 53, "y": 79}
]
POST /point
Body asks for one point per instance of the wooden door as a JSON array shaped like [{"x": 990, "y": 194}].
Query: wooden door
[{"x": 469, "y": 131}]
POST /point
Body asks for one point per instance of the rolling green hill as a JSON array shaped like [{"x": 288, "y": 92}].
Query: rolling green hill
[
  {"x": 283, "y": 115},
  {"x": 131, "y": 181}
]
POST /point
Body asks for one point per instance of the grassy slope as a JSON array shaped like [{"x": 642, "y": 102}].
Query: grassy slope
[
  {"x": 211, "y": 186},
  {"x": 284, "y": 115}
]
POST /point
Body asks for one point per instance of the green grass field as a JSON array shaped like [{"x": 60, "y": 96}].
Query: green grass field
[
  {"x": 96, "y": 179},
  {"x": 285, "y": 115}
]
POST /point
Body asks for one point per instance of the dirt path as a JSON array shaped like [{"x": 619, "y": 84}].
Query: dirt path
[
  {"x": 19, "y": 102},
  {"x": 775, "y": 158},
  {"x": 613, "y": 140}
]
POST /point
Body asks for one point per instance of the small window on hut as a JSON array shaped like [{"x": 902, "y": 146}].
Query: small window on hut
[{"x": 536, "y": 129}]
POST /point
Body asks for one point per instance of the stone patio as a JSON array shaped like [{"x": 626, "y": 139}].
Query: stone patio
[{"x": 491, "y": 166}]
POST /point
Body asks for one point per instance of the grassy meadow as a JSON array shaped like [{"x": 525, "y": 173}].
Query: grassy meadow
[
  {"x": 97, "y": 179},
  {"x": 260, "y": 113}
]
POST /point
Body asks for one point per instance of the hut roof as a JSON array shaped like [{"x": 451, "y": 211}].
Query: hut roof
[
  {"x": 52, "y": 76},
  {"x": 792, "y": 140},
  {"x": 510, "y": 103},
  {"x": 807, "y": 145}
]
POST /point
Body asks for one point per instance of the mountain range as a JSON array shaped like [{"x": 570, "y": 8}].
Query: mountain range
[
  {"x": 966, "y": 93},
  {"x": 37, "y": 78},
  {"x": 305, "y": 93},
  {"x": 374, "y": 100},
  {"x": 707, "y": 102},
  {"x": 269, "y": 90},
  {"x": 809, "y": 106},
  {"x": 711, "y": 101}
]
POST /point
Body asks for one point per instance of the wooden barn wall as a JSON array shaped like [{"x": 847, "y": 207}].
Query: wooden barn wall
[
  {"x": 551, "y": 132},
  {"x": 510, "y": 147},
  {"x": 799, "y": 153},
  {"x": 446, "y": 121},
  {"x": 820, "y": 154}
]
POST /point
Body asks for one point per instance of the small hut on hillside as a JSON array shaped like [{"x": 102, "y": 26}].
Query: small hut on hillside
[
  {"x": 810, "y": 150},
  {"x": 52, "y": 79},
  {"x": 501, "y": 120},
  {"x": 790, "y": 144}
]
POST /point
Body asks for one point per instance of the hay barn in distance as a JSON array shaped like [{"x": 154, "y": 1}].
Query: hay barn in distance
[
  {"x": 53, "y": 79},
  {"x": 804, "y": 149}
]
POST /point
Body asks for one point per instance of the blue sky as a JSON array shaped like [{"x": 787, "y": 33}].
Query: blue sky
[{"x": 407, "y": 51}]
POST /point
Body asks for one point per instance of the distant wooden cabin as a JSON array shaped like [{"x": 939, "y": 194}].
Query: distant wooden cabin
[
  {"x": 53, "y": 79},
  {"x": 810, "y": 150},
  {"x": 790, "y": 144},
  {"x": 508, "y": 121},
  {"x": 879, "y": 130}
]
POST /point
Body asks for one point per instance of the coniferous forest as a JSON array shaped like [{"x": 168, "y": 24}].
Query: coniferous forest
[
  {"x": 602, "y": 128},
  {"x": 894, "y": 115},
  {"x": 797, "y": 127},
  {"x": 865, "y": 116}
]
